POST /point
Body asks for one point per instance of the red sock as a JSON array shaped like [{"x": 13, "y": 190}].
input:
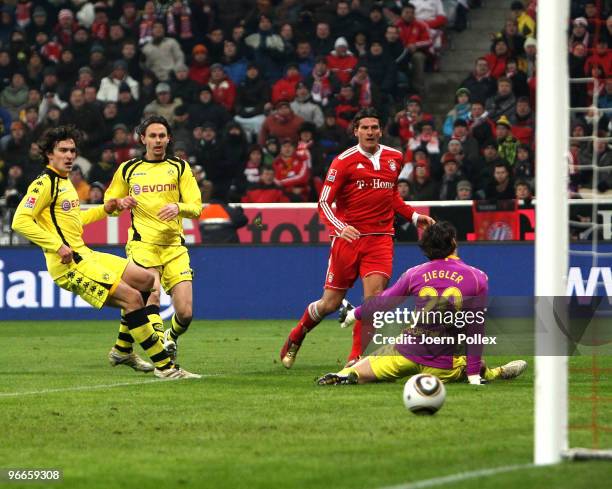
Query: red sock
[
  {"x": 357, "y": 348},
  {"x": 309, "y": 320}
]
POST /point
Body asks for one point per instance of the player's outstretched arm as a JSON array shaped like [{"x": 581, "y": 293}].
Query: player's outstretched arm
[{"x": 110, "y": 207}]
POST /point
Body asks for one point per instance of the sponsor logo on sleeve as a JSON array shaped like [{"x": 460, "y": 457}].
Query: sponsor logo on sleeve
[
  {"x": 30, "y": 202},
  {"x": 331, "y": 175}
]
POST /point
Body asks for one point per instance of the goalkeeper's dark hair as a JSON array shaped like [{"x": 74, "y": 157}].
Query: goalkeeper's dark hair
[
  {"x": 366, "y": 112},
  {"x": 439, "y": 240},
  {"x": 51, "y": 137}
]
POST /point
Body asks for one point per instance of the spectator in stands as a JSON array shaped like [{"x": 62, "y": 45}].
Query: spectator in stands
[
  {"x": 376, "y": 24},
  {"x": 530, "y": 47},
  {"x": 124, "y": 147},
  {"x": 451, "y": 176},
  {"x": 482, "y": 171},
  {"x": 214, "y": 43},
  {"x": 504, "y": 102},
  {"x": 130, "y": 18},
  {"x": 129, "y": 111},
  {"x": 405, "y": 231},
  {"x": 207, "y": 110},
  {"x": 522, "y": 191},
  {"x": 605, "y": 100},
  {"x": 323, "y": 42},
  {"x": 497, "y": 57},
  {"x": 514, "y": 40},
  {"x": 523, "y": 166},
  {"x": 461, "y": 111},
  {"x": 81, "y": 46},
  {"x": 162, "y": 54},
  {"x": 432, "y": 13},
  {"x": 96, "y": 193},
  {"x": 507, "y": 144},
  {"x": 597, "y": 87},
  {"x": 577, "y": 59},
  {"x": 199, "y": 70},
  {"x": 265, "y": 190},
  {"x": 501, "y": 187},
  {"x": 253, "y": 95},
  {"x": 67, "y": 69},
  {"x": 164, "y": 103},
  {"x": 292, "y": 171},
  {"x": 66, "y": 26},
  {"x": 322, "y": 83},
  {"x": 87, "y": 118},
  {"x": 580, "y": 34},
  {"x": 425, "y": 137},
  {"x": 416, "y": 38},
  {"x": 523, "y": 122},
  {"x": 80, "y": 184},
  {"x": 520, "y": 88},
  {"x": 469, "y": 144},
  {"x": 270, "y": 150},
  {"x": 601, "y": 158},
  {"x": 304, "y": 58},
  {"x": 346, "y": 105},
  {"x": 421, "y": 186},
  {"x": 109, "y": 86},
  {"x": 304, "y": 107},
  {"x": 464, "y": 190},
  {"x": 607, "y": 32},
  {"x": 347, "y": 21},
  {"x": 400, "y": 55},
  {"x": 284, "y": 89},
  {"x": 14, "y": 97},
  {"x": 480, "y": 83},
  {"x": 381, "y": 70},
  {"x": 341, "y": 61},
  {"x": 526, "y": 25},
  {"x": 331, "y": 136},
  {"x": 405, "y": 120},
  {"x": 268, "y": 49},
  {"x": 253, "y": 165},
  {"x": 601, "y": 56},
  {"x": 309, "y": 146},
  {"x": 282, "y": 123},
  {"x": 223, "y": 89},
  {"x": 105, "y": 166},
  {"x": 234, "y": 63},
  {"x": 98, "y": 62},
  {"x": 50, "y": 120},
  {"x": 180, "y": 83}
]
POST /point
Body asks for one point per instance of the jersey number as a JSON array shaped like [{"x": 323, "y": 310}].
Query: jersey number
[{"x": 448, "y": 294}]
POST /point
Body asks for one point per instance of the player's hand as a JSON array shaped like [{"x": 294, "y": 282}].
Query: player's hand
[
  {"x": 65, "y": 254},
  {"x": 128, "y": 202},
  {"x": 168, "y": 212},
  {"x": 349, "y": 320},
  {"x": 425, "y": 221},
  {"x": 350, "y": 234},
  {"x": 476, "y": 380}
]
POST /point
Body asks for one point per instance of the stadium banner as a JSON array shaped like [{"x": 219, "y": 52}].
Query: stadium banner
[
  {"x": 270, "y": 282},
  {"x": 273, "y": 224}
]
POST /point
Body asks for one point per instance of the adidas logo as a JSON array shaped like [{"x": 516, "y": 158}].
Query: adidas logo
[{"x": 360, "y": 166}]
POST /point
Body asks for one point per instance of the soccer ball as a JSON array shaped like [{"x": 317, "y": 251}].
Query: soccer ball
[{"x": 424, "y": 394}]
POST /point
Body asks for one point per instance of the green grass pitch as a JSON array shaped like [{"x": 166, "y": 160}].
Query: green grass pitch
[{"x": 251, "y": 424}]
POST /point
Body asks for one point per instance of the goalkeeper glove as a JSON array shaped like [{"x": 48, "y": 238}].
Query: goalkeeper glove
[{"x": 476, "y": 380}]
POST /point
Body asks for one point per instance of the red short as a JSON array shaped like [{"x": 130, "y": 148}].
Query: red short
[{"x": 365, "y": 256}]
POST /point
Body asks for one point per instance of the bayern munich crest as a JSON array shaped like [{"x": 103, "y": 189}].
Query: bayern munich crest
[{"x": 392, "y": 165}]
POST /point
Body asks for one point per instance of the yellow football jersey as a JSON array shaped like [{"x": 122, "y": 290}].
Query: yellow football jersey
[
  {"x": 154, "y": 184},
  {"x": 50, "y": 215}
]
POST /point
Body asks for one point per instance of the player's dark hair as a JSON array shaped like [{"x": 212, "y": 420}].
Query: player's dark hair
[
  {"x": 438, "y": 240},
  {"x": 156, "y": 119},
  {"x": 366, "y": 112},
  {"x": 50, "y": 138}
]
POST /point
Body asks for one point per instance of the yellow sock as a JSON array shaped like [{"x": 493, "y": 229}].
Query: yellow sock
[
  {"x": 124, "y": 341},
  {"x": 177, "y": 328}
]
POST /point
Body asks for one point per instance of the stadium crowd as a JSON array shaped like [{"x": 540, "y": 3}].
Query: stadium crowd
[{"x": 260, "y": 95}]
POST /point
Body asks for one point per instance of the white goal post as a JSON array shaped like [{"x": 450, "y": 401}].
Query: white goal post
[{"x": 551, "y": 243}]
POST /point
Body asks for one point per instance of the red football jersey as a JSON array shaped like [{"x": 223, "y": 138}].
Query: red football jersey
[{"x": 364, "y": 187}]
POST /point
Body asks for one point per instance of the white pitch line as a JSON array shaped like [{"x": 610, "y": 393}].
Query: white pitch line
[
  {"x": 89, "y": 387},
  {"x": 461, "y": 476}
]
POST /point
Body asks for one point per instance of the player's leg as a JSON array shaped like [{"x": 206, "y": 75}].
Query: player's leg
[
  {"x": 375, "y": 268},
  {"x": 341, "y": 274},
  {"x": 385, "y": 364},
  {"x": 313, "y": 315},
  {"x": 176, "y": 280},
  {"x": 510, "y": 370}
]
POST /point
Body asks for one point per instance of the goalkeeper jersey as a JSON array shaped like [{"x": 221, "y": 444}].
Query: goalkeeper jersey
[
  {"x": 154, "y": 184},
  {"x": 50, "y": 215}
]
